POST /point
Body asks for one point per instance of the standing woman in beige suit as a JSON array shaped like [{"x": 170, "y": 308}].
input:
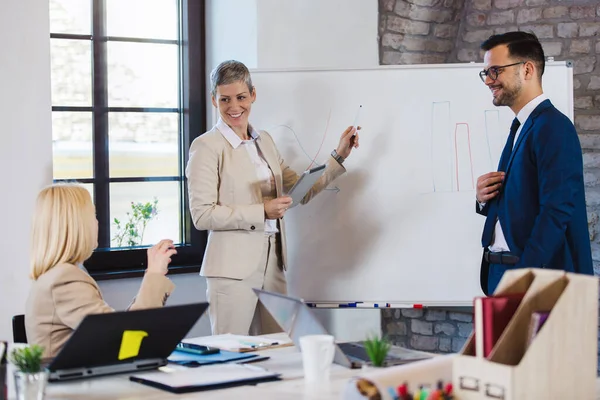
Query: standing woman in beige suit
[
  {"x": 64, "y": 234},
  {"x": 236, "y": 179}
]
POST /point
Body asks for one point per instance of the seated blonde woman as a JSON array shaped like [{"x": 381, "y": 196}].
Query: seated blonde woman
[{"x": 64, "y": 234}]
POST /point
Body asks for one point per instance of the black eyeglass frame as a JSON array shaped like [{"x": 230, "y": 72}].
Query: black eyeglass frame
[{"x": 494, "y": 71}]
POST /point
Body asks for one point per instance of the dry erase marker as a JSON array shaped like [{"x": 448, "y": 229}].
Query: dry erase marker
[{"x": 355, "y": 124}]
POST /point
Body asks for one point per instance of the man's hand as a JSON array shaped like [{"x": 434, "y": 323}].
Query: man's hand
[{"x": 488, "y": 186}]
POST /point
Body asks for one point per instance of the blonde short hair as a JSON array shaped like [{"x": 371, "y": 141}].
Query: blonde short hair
[{"x": 62, "y": 228}]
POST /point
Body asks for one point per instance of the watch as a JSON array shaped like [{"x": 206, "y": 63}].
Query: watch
[{"x": 337, "y": 157}]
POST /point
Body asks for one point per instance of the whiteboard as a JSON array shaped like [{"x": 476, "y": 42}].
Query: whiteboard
[{"x": 400, "y": 226}]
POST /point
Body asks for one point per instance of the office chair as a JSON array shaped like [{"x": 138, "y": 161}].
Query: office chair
[{"x": 18, "y": 325}]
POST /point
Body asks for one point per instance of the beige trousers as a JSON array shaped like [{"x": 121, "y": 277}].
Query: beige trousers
[{"x": 233, "y": 306}]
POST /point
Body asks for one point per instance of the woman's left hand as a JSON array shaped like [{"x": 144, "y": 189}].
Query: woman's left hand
[{"x": 348, "y": 141}]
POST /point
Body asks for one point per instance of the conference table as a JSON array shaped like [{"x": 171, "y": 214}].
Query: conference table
[{"x": 285, "y": 360}]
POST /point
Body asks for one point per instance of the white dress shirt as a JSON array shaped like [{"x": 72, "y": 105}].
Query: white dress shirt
[
  {"x": 498, "y": 240},
  {"x": 263, "y": 171}
]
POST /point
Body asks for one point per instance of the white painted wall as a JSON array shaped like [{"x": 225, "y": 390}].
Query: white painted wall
[
  {"x": 26, "y": 142},
  {"x": 189, "y": 288},
  {"x": 317, "y": 33},
  {"x": 231, "y": 32}
]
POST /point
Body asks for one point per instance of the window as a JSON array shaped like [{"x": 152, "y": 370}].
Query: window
[{"x": 128, "y": 97}]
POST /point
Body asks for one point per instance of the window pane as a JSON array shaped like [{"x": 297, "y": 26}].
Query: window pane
[
  {"x": 71, "y": 62},
  {"x": 72, "y": 145},
  {"x": 154, "y": 19},
  {"x": 71, "y": 16},
  {"x": 142, "y": 75},
  {"x": 90, "y": 188},
  {"x": 165, "y": 224},
  {"x": 143, "y": 144}
]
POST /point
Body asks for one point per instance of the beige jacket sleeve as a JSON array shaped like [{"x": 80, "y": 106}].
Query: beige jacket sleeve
[
  {"x": 77, "y": 295},
  {"x": 202, "y": 172},
  {"x": 153, "y": 293}
]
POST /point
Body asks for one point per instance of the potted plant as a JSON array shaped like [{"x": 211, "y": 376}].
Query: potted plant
[
  {"x": 30, "y": 378},
  {"x": 377, "y": 349}
]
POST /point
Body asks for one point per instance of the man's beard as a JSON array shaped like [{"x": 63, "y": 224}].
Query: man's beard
[{"x": 508, "y": 95}]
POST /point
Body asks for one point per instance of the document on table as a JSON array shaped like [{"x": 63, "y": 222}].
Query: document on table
[{"x": 240, "y": 343}]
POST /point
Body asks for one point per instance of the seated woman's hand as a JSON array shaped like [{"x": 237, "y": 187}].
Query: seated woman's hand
[
  {"x": 159, "y": 256},
  {"x": 276, "y": 207}
]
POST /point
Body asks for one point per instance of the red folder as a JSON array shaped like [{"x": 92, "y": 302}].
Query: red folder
[{"x": 492, "y": 315}]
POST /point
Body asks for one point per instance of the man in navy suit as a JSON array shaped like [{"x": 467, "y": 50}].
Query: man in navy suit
[{"x": 535, "y": 204}]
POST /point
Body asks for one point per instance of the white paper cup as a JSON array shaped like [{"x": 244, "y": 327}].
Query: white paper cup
[{"x": 317, "y": 356}]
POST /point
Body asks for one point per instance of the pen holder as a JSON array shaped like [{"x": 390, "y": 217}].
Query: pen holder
[{"x": 561, "y": 361}]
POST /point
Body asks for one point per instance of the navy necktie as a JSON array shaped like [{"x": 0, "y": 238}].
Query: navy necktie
[{"x": 490, "y": 222}]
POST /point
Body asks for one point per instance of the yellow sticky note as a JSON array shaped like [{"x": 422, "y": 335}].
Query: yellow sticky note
[{"x": 131, "y": 343}]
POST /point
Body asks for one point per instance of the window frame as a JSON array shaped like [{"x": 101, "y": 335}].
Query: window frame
[{"x": 114, "y": 263}]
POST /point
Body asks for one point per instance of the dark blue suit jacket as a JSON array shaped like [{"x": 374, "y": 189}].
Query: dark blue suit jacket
[{"x": 541, "y": 205}]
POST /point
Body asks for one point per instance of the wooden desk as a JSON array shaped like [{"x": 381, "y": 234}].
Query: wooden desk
[{"x": 287, "y": 361}]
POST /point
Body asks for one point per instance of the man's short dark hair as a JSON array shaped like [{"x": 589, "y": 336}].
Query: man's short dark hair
[{"x": 521, "y": 45}]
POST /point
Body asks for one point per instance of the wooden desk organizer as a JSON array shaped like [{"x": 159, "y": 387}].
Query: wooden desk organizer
[{"x": 560, "y": 362}]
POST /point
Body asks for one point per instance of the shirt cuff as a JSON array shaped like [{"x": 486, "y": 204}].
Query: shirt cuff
[{"x": 481, "y": 205}]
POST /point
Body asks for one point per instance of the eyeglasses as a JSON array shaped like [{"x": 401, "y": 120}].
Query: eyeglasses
[{"x": 493, "y": 72}]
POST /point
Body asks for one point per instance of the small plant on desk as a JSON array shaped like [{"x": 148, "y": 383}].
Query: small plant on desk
[
  {"x": 28, "y": 359},
  {"x": 377, "y": 349},
  {"x": 30, "y": 377}
]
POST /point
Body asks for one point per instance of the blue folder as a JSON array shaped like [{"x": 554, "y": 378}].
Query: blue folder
[{"x": 196, "y": 360}]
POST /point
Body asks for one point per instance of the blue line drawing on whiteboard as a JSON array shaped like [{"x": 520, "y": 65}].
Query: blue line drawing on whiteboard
[
  {"x": 441, "y": 147},
  {"x": 462, "y": 152},
  {"x": 492, "y": 125}
]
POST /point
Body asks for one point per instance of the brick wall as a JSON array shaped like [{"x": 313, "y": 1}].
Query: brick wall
[
  {"x": 418, "y": 31},
  {"x": 438, "y": 31}
]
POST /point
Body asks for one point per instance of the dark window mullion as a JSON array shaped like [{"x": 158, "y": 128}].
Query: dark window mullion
[
  {"x": 100, "y": 105},
  {"x": 194, "y": 105}
]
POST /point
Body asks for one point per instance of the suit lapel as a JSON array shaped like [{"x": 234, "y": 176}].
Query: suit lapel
[
  {"x": 526, "y": 129},
  {"x": 272, "y": 160}
]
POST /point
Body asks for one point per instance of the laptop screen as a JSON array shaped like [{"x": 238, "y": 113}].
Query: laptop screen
[
  {"x": 297, "y": 320},
  {"x": 128, "y": 336}
]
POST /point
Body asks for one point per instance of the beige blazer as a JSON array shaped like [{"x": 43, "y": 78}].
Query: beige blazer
[
  {"x": 225, "y": 199},
  {"x": 64, "y": 295}
]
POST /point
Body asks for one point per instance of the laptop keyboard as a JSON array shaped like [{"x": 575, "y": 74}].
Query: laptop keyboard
[{"x": 354, "y": 350}]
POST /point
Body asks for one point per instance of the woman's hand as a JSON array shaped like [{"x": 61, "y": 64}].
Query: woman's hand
[
  {"x": 348, "y": 141},
  {"x": 276, "y": 207},
  {"x": 159, "y": 257}
]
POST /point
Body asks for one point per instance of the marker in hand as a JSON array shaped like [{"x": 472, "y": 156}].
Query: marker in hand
[{"x": 355, "y": 124}]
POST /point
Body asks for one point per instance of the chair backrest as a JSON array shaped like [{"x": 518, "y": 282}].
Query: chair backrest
[{"x": 18, "y": 326}]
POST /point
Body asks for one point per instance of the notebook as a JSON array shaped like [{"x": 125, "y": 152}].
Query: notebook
[
  {"x": 239, "y": 343},
  {"x": 206, "y": 378},
  {"x": 196, "y": 360},
  {"x": 124, "y": 341},
  {"x": 538, "y": 318},
  {"x": 492, "y": 315},
  {"x": 297, "y": 319}
]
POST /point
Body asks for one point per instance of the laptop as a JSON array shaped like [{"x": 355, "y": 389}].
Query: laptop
[
  {"x": 297, "y": 319},
  {"x": 125, "y": 341}
]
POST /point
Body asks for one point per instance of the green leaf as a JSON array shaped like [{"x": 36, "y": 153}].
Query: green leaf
[
  {"x": 377, "y": 350},
  {"x": 27, "y": 359}
]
